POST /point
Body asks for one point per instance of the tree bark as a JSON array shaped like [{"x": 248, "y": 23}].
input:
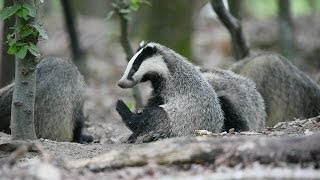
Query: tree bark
[
  {"x": 239, "y": 44},
  {"x": 170, "y": 23},
  {"x": 22, "y": 110},
  {"x": 7, "y": 61},
  {"x": 124, "y": 40},
  {"x": 235, "y": 8},
  {"x": 286, "y": 36},
  {"x": 302, "y": 150},
  {"x": 70, "y": 23}
]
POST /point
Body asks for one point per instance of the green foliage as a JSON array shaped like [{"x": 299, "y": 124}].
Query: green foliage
[
  {"x": 130, "y": 105},
  {"x": 134, "y": 5},
  {"x": 20, "y": 47},
  {"x": 125, "y": 9},
  {"x": 270, "y": 8}
]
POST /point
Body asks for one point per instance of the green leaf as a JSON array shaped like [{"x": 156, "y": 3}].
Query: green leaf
[
  {"x": 31, "y": 10},
  {"x": 146, "y": 2},
  {"x": 41, "y": 31},
  {"x": 109, "y": 15},
  {"x": 33, "y": 49},
  {"x": 9, "y": 11},
  {"x": 10, "y": 39},
  {"x": 12, "y": 49},
  {"x": 124, "y": 11},
  {"x": 126, "y": 16},
  {"x": 26, "y": 31},
  {"x": 22, "y": 52},
  {"x": 23, "y": 13},
  {"x": 134, "y": 5},
  {"x": 20, "y": 44}
]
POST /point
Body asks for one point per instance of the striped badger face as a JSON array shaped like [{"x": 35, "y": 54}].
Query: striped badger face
[{"x": 147, "y": 61}]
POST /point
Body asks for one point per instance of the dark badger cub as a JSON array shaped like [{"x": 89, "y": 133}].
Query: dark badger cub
[
  {"x": 58, "y": 103},
  {"x": 182, "y": 100}
]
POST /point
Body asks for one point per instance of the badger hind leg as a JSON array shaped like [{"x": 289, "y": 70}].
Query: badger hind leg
[
  {"x": 233, "y": 118},
  {"x": 78, "y": 136}
]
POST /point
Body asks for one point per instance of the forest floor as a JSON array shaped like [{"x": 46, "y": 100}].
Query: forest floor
[{"x": 106, "y": 62}]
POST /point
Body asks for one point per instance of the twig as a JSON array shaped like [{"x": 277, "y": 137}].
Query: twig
[
  {"x": 127, "y": 47},
  {"x": 239, "y": 44}
]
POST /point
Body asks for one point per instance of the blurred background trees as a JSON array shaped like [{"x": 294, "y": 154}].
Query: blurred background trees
[{"x": 189, "y": 27}]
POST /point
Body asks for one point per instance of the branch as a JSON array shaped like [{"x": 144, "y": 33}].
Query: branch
[
  {"x": 240, "y": 45},
  {"x": 218, "y": 151},
  {"x": 78, "y": 55},
  {"x": 124, "y": 40}
]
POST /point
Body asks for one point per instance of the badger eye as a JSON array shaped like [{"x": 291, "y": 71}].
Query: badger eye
[{"x": 135, "y": 68}]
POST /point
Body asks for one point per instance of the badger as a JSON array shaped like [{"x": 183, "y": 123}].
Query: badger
[
  {"x": 181, "y": 102},
  {"x": 242, "y": 104},
  {"x": 287, "y": 91},
  {"x": 58, "y": 102}
]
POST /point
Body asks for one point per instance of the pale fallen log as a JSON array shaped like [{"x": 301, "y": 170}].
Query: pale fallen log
[{"x": 230, "y": 151}]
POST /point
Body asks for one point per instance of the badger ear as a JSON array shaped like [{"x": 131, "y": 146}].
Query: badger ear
[
  {"x": 150, "y": 50},
  {"x": 141, "y": 45}
]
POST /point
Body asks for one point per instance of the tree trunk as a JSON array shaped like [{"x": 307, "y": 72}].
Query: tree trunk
[
  {"x": 239, "y": 44},
  {"x": 170, "y": 23},
  {"x": 286, "y": 39},
  {"x": 235, "y": 8},
  {"x": 7, "y": 61},
  {"x": 70, "y": 24},
  {"x": 22, "y": 110}
]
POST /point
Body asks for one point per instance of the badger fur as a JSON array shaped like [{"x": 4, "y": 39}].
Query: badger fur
[
  {"x": 242, "y": 104},
  {"x": 58, "y": 102},
  {"x": 288, "y": 92},
  {"x": 182, "y": 101}
]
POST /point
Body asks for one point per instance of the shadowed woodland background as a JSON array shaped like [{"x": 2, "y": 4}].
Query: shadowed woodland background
[{"x": 189, "y": 27}]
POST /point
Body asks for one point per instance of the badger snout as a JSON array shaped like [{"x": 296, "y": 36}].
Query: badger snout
[{"x": 124, "y": 83}]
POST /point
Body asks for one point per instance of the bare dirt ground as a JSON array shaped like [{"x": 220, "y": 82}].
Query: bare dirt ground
[{"x": 106, "y": 63}]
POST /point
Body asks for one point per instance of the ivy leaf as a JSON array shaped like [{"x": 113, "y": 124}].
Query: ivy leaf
[
  {"x": 12, "y": 49},
  {"x": 31, "y": 10},
  {"x": 9, "y": 11},
  {"x": 33, "y": 49},
  {"x": 10, "y": 39},
  {"x": 134, "y": 5},
  {"x": 146, "y": 2},
  {"x": 41, "y": 31},
  {"x": 22, "y": 52},
  {"x": 109, "y": 15},
  {"x": 26, "y": 31},
  {"x": 23, "y": 13},
  {"x": 124, "y": 11},
  {"x": 126, "y": 16}
]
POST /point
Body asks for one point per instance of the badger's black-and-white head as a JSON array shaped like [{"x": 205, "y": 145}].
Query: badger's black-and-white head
[{"x": 147, "y": 62}]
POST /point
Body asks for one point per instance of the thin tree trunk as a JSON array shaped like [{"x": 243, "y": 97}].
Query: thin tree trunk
[
  {"x": 170, "y": 23},
  {"x": 286, "y": 38},
  {"x": 7, "y": 61},
  {"x": 239, "y": 44},
  {"x": 22, "y": 110},
  {"x": 70, "y": 24},
  {"x": 235, "y": 8},
  {"x": 129, "y": 53}
]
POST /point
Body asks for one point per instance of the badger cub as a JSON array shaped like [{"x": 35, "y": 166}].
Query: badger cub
[
  {"x": 242, "y": 104},
  {"x": 58, "y": 112},
  {"x": 182, "y": 101}
]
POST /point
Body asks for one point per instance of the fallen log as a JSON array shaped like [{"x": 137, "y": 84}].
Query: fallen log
[{"x": 230, "y": 151}]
